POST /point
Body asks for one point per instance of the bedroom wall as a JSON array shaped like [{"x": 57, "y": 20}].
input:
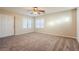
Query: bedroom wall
[
  {"x": 59, "y": 24},
  {"x": 66, "y": 29}
]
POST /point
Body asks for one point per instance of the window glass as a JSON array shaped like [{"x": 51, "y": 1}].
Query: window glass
[
  {"x": 24, "y": 23},
  {"x": 39, "y": 23},
  {"x": 29, "y": 23}
]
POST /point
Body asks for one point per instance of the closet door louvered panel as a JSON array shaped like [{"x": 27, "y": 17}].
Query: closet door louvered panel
[
  {"x": 0, "y": 26},
  {"x": 7, "y": 25}
]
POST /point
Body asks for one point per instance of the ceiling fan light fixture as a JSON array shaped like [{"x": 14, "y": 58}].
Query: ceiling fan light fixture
[{"x": 36, "y": 11}]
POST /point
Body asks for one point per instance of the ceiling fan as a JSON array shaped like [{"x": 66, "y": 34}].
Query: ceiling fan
[{"x": 37, "y": 11}]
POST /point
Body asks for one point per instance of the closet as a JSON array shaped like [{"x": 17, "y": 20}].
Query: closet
[{"x": 6, "y": 25}]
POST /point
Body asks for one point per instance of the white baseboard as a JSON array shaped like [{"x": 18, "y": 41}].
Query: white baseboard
[{"x": 59, "y": 35}]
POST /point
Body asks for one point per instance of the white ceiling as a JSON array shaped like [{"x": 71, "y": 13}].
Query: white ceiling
[{"x": 24, "y": 10}]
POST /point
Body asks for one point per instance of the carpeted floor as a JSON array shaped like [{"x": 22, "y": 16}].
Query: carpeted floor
[{"x": 38, "y": 42}]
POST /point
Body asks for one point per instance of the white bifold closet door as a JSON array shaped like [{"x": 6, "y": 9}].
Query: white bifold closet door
[{"x": 6, "y": 25}]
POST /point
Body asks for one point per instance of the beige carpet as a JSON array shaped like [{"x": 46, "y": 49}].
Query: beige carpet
[{"x": 38, "y": 42}]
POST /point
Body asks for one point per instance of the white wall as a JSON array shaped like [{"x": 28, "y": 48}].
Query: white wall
[{"x": 57, "y": 24}]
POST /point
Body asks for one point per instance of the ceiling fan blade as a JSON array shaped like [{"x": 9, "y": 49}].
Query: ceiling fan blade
[
  {"x": 36, "y": 11},
  {"x": 41, "y": 10}
]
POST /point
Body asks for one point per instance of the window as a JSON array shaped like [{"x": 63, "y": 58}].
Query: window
[
  {"x": 24, "y": 23},
  {"x": 42, "y": 23},
  {"x": 27, "y": 22},
  {"x": 39, "y": 23}
]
